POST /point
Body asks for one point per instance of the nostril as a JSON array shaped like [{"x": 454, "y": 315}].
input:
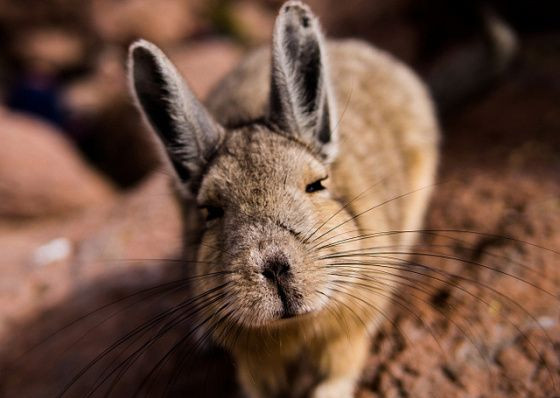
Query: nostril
[
  {"x": 269, "y": 274},
  {"x": 283, "y": 268},
  {"x": 275, "y": 269}
]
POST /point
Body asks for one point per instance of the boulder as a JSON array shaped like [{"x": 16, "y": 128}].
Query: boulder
[
  {"x": 204, "y": 63},
  {"x": 162, "y": 22},
  {"x": 41, "y": 173}
]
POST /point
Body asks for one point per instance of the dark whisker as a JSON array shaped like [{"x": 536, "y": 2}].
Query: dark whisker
[
  {"x": 398, "y": 266},
  {"x": 413, "y": 248},
  {"x": 142, "y": 294},
  {"x": 344, "y": 206},
  {"x": 402, "y": 302},
  {"x": 351, "y": 253},
  {"x": 132, "y": 333},
  {"x": 354, "y": 217},
  {"x": 182, "y": 341},
  {"x": 125, "y": 365},
  {"x": 436, "y": 233}
]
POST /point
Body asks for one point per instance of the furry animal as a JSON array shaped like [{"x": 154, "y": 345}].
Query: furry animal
[{"x": 306, "y": 159}]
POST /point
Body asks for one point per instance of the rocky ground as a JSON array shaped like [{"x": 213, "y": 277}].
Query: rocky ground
[{"x": 478, "y": 314}]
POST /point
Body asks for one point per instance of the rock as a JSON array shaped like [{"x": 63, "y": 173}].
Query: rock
[
  {"x": 96, "y": 91},
  {"x": 50, "y": 49},
  {"x": 163, "y": 22},
  {"x": 41, "y": 174},
  {"x": 253, "y": 22},
  {"x": 101, "y": 255},
  {"x": 144, "y": 227},
  {"x": 108, "y": 128},
  {"x": 204, "y": 63}
]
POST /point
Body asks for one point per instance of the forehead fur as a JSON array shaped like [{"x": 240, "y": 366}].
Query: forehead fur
[{"x": 253, "y": 162}]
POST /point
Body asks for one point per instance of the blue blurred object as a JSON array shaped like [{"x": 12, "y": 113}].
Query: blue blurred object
[{"x": 38, "y": 95}]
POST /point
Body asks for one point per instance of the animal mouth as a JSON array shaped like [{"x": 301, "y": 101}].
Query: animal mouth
[
  {"x": 290, "y": 311},
  {"x": 287, "y": 308},
  {"x": 291, "y": 315},
  {"x": 286, "y": 317}
]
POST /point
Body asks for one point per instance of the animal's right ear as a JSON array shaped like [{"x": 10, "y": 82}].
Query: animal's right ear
[{"x": 188, "y": 132}]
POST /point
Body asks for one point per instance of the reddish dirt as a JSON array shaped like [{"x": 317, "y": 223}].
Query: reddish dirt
[{"x": 484, "y": 321}]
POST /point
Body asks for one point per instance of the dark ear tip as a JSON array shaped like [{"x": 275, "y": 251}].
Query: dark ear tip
[{"x": 297, "y": 7}]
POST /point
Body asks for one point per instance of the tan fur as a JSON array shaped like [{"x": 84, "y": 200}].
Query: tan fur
[
  {"x": 388, "y": 140},
  {"x": 387, "y": 156}
]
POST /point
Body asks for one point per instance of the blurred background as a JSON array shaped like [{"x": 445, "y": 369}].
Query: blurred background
[{"x": 87, "y": 213}]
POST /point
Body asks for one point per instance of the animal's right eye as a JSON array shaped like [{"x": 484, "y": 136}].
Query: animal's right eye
[{"x": 212, "y": 212}]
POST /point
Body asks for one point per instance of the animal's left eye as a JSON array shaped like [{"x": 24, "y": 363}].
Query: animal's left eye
[{"x": 315, "y": 186}]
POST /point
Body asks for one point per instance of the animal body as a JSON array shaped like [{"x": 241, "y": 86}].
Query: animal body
[{"x": 305, "y": 161}]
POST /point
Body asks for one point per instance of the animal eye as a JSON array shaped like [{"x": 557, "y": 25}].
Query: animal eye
[
  {"x": 315, "y": 186},
  {"x": 212, "y": 212}
]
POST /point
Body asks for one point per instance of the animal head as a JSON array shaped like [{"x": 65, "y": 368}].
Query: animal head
[{"x": 263, "y": 189}]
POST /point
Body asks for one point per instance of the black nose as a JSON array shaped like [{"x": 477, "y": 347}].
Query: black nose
[{"x": 275, "y": 269}]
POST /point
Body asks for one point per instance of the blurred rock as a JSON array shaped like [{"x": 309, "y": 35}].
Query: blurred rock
[
  {"x": 124, "y": 245},
  {"x": 130, "y": 230},
  {"x": 253, "y": 21},
  {"x": 144, "y": 227},
  {"x": 92, "y": 93},
  {"x": 45, "y": 36},
  {"x": 204, "y": 63},
  {"x": 107, "y": 127},
  {"x": 336, "y": 15},
  {"x": 50, "y": 49},
  {"x": 41, "y": 174},
  {"x": 119, "y": 144},
  {"x": 163, "y": 22}
]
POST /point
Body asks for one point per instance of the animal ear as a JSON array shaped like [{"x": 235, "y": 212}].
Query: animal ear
[
  {"x": 187, "y": 131},
  {"x": 300, "y": 95}
]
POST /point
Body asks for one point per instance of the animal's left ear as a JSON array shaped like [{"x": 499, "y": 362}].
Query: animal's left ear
[{"x": 301, "y": 103}]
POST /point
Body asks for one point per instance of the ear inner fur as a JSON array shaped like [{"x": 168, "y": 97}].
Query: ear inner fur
[
  {"x": 300, "y": 102},
  {"x": 188, "y": 133}
]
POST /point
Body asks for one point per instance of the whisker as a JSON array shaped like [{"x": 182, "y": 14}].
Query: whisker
[
  {"x": 129, "y": 361},
  {"x": 400, "y": 267},
  {"x": 397, "y": 299},
  {"x": 413, "y": 248},
  {"x": 344, "y": 206},
  {"x": 381, "y": 290},
  {"x": 401, "y": 196},
  {"x": 182, "y": 341},
  {"x": 204, "y": 339},
  {"x": 439, "y": 256},
  {"x": 134, "y": 332},
  {"x": 152, "y": 291},
  {"x": 438, "y": 233}
]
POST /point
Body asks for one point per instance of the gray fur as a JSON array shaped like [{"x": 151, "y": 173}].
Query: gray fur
[
  {"x": 300, "y": 94},
  {"x": 188, "y": 132}
]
